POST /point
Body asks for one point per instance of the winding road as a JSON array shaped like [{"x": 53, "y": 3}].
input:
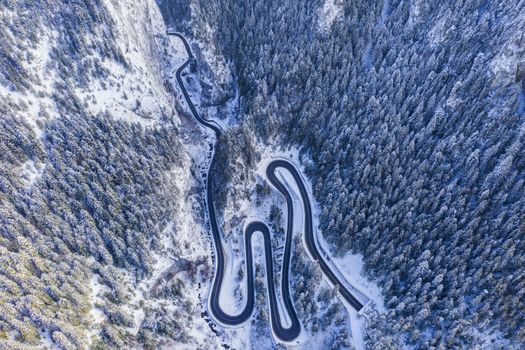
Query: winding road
[{"x": 284, "y": 333}]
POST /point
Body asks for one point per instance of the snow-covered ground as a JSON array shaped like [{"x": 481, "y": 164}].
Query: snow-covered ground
[
  {"x": 38, "y": 102},
  {"x": 190, "y": 231},
  {"x": 197, "y": 140},
  {"x": 96, "y": 314},
  {"x": 503, "y": 66},
  {"x": 234, "y": 291},
  {"x": 184, "y": 238},
  {"x": 31, "y": 172},
  {"x": 135, "y": 93},
  {"x": 252, "y": 209},
  {"x": 329, "y": 13}
]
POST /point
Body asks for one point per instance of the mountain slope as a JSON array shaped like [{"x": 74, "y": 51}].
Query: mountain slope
[{"x": 95, "y": 181}]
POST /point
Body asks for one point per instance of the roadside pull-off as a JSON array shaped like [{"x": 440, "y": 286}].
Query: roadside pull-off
[{"x": 291, "y": 332}]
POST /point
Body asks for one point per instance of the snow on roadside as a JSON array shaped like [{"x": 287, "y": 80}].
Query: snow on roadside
[
  {"x": 200, "y": 154},
  {"x": 185, "y": 239},
  {"x": 213, "y": 74},
  {"x": 350, "y": 265}
]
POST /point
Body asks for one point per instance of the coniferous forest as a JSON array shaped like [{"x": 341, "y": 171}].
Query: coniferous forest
[{"x": 409, "y": 121}]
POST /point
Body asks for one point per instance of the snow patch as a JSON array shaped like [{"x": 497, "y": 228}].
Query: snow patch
[
  {"x": 329, "y": 13},
  {"x": 351, "y": 265},
  {"x": 96, "y": 315},
  {"x": 36, "y": 103},
  {"x": 440, "y": 31},
  {"x": 416, "y": 9},
  {"x": 31, "y": 172},
  {"x": 503, "y": 66},
  {"x": 136, "y": 91}
]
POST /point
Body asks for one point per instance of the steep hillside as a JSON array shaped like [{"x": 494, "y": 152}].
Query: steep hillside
[{"x": 96, "y": 227}]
